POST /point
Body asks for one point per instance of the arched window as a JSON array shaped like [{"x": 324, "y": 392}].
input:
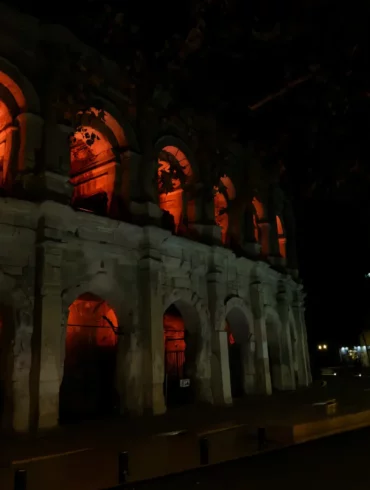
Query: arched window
[
  {"x": 224, "y": 193},
  {"x": 174, "y": 174},
  {"x": 96, "y": 148},
  {"x": 12, "y": 104},
  {"x": 281, "y": 237}
]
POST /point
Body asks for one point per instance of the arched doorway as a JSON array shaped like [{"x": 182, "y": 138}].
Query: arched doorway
[
  {"x": 240, "y": 355},
  {"x": 88, "y": 386},
  {"x": 185, "y": 355}
]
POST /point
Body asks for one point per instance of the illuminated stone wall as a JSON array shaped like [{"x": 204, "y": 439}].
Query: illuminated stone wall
[{"x": 85, "y": 210}]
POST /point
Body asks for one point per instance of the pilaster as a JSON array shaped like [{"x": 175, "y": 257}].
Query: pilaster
[
  {"x": 151, "y": 321},
  {"x": 304, "y": 370},
  {"x": 287, "y": 365},
  {"x": 48, "y": 335},
  {"x": 263, "y": 378},
  {"x": 221, "y": 387}
]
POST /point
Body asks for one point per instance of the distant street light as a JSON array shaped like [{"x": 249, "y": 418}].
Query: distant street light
[{"x": 322, "y": 347}]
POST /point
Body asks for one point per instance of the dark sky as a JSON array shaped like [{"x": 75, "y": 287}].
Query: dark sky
[{"x": 333, "y": 230}]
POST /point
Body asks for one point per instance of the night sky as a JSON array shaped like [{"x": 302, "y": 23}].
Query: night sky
[{"x": 333, "y": 224}]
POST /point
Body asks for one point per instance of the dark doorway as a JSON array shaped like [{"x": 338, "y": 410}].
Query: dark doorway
[
  {"x": 88, "y": 386},
  {"x": 178, "y": 383},
  {"x": 235, "y": 366}
]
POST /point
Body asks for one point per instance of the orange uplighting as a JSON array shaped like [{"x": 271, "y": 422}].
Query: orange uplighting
[
  {"x": 6, "y": 146},
  {"x": 261, "y": 233},
  {"x": 171, "y": 160},
  {"x": 174, "y": 344},
  {"x": 93, "y": 162},
  {"x": 281, "y": 237},
  {"x": 87, "y": 325},
  {"x": 230, "y": 336},
  {"x": 223, "y": 194}
]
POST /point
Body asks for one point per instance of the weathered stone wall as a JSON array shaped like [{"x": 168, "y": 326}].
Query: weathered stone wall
[{"x": 51, "y": 254}]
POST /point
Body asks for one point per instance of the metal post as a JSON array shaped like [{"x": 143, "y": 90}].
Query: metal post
[
  {"x": 261, "y": 434},
  {"x": 204, "y": 451},
  {"x": 20, "y": 480},
  {"x": 122, "y": 467}
]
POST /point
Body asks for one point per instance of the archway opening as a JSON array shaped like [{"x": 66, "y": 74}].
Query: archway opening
[
  {"x": 88, "y": 386},
  {"x": 174, "y": 174},
  {"x": 94, "y": 146},
  {"x": 181, "y": 340},
  {"x": 12, "y": 102},
  {"x": 223, "y": 194},
  {"x": 239, "y": 337}
]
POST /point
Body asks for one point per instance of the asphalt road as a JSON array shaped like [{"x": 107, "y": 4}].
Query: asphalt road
[{"x": 340, "y": 462}]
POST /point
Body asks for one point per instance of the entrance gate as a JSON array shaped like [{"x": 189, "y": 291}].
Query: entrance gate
[{"x": 177, "y": 387}]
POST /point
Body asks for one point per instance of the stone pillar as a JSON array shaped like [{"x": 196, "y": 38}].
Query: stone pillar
[
  {"x": 263, "y": 378},
  {"x": 286, "y": 361},
  {"x": 47, "y": 343},
  {"x": 151, "y": 321},
  {"x": 15, "y": 358},
  {"x": 221, "y": 387},
  {"x": 303, "y": 359},
  {"x": 248, "y": 352}
]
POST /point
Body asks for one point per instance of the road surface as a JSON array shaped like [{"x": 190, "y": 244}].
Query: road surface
[{"x": 340, "y": 462}]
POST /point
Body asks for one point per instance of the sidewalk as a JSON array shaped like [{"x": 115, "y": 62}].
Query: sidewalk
[{"x": 84, "y": 457}]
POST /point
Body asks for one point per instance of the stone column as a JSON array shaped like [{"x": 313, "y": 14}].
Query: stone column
[
  {"x": 151, "y": 321},
  {"x": 248, "y": 352},
  {"x": 286, "y": 361},
  {"x": 221, "y": 387},
  {"x": 303, "y": 359},
  {"x": 263, "y": 378},
  {"x": 47, "y": 342}
]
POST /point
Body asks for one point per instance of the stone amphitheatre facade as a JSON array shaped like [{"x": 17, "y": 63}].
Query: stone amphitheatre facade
[{"x": 117, "y": 294}]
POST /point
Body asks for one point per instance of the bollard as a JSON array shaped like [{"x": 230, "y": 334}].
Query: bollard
[
  {"x": 261, "y": 434},
  {"x": 204, "y": 451},
  {"x": 20, "y": 480},
  {"x": 122, "y": 467}
]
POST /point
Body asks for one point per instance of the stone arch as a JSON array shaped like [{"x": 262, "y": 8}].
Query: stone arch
[
  {"x": 105, "y": 287},
  {"x": 238, "y": 303},
  {"x": 97, "y": 151},
  {"x": 21, "y": 88},
  {"x": 19, "y": 105},
  {"x": 128, "y": 131},
  {"x": 197, "y": 321},
  {"x": 88, "y": 385},
  {"x": 177, "y": 175},
  {"x": 239, "y": 325},
  {"x": 224, "y": 193}
]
